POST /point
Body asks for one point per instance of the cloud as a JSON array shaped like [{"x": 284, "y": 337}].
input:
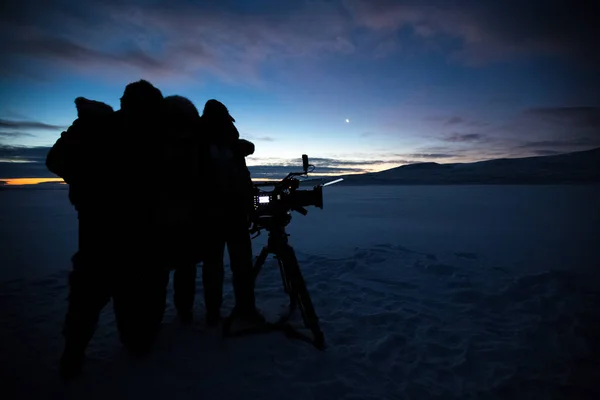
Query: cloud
[
  {"x": 321, "y": 162},
  {"x": 29, "y": 162},
  {"x": 546, "y": 152},
  {"x": 251, "y": 137},
  {"x": 317, "y": 161},
  {"x": 24, "y": 162},
  {"x": 474, "y": 152},
  {"x": 430, "y": 155},
  {"x": 4, "y": 123},
  {"x": 171, "y": 40},
  {"x": 12, "y": 170},
  {"x": 530, "y": 131},
  {"x": 559, "y": 144},
  {"x": 68, "y": 53},
  {"x": 189, "y": 40},
  {"x": 454, "y": 121},
  {"x": 277, "y": 168},
  {"x": 464, "y": 137},
  {"x": 551, "y": 126},
  {"x": 477, "y": 124},
  {"x": 22, "y": 154},
  {"x": 14, "y": 134},
  {"x": 489, "y": 32},
  {"x": 280, "y": 171},
  {"x": 575, "y": 117}
]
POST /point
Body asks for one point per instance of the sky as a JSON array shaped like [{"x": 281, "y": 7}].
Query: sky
[{"x": 356, "y": 85}]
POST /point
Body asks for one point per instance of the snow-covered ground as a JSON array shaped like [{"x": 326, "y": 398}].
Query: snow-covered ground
[{"x": 449, "y": 292}]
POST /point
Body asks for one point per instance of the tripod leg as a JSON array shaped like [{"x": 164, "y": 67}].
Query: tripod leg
[
  {"x": 260, "y": 260},
  {"x": 300, "y": 293},
  {"x": 286, "y": 284},
  {"x": 295, "y": 287}
]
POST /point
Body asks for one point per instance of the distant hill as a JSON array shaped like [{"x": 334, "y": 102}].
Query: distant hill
[{"x": 577, "y": 167}]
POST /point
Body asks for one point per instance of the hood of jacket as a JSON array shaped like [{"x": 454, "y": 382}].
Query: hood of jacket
[{"x": 87, "y": 108}]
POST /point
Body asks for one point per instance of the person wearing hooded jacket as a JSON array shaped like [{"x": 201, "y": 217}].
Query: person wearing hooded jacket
[
  {"x": 138, "y": 129},
  {"x": 228, "y": 217},
  {"x": 77, "y": 158},
  {"x": 100, "y": 146},
  {"x": 177, "y": 212}
]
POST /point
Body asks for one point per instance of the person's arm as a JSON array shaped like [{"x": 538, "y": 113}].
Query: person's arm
[
  {"x": 55, "y": 159},
  {"x": 59, "y": 159},
  {"x": 244, "y": 147}
]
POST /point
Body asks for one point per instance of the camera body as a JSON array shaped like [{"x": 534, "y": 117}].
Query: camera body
[
  {"x": 290, "y": 199},
  {"x": 285, "y": 197},
  {"x": 266, "y": 203}
]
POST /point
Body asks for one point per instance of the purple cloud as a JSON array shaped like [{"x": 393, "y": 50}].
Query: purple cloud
[
  {"x": 430, "y": 155},
  {"x": 575, "y": 117},
  {"x": 454, "y": 121},
  {"x": 186, "y": 40},
  {"x": 561, "y": 144},
  {"x": 546, "y": 152},
  {"x": 464, "y": 137},
  {"x": 170, "y": 39},
  {"x": 491, "y": 32}
]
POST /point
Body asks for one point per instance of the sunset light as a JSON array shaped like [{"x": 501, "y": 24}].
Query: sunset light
[{"x": 30, "y": 181}]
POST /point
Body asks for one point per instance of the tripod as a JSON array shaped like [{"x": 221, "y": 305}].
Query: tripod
[{"x": 293, "y": 284}]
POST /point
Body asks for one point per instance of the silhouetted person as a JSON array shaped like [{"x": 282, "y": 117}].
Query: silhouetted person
[
  {"x": 141, "y": 293},
  {"x": 228, "y": 218},
  {"x": 78, "y": 157},
  {"x": 179, "y": 202},
  {"x": 104, "y": 157},
  {"x": 69, "y": 158}
]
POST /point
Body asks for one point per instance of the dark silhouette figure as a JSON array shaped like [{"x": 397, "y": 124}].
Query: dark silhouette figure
[
  {"x": 177, "y": 215},
  {"x": 228, "y": 219},
  {"x": 77, "y": 157},
  {"x": 139, "y": 127},
  {"x": 69, "y": 157},
  {"x": 107, "y": 158}
]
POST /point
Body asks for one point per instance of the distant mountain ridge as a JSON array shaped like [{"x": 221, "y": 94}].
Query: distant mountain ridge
[{"x": 576, "y": 167}]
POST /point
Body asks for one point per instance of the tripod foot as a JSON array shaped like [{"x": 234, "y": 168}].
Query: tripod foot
[{"x": 290, "y": 332}]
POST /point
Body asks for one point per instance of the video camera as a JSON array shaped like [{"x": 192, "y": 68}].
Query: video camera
[
  {"x": 275, "y": 206},
  {"x": 273, "y": 213}
]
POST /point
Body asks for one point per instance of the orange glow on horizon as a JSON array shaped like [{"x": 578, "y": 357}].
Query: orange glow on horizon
[{"x": 30, "y": 181}]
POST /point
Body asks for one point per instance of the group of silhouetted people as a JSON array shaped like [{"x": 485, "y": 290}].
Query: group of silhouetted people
[{"x": 157, "y": 188}]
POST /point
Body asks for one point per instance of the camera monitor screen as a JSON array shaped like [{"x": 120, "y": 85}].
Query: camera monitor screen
[{"x": 263, "y": 199}]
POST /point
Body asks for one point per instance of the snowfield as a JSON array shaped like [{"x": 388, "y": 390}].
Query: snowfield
[{"x": 423, "y": 292}]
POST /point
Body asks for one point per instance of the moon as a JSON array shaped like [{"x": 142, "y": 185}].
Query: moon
[{"x": 347, "y": 121}]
